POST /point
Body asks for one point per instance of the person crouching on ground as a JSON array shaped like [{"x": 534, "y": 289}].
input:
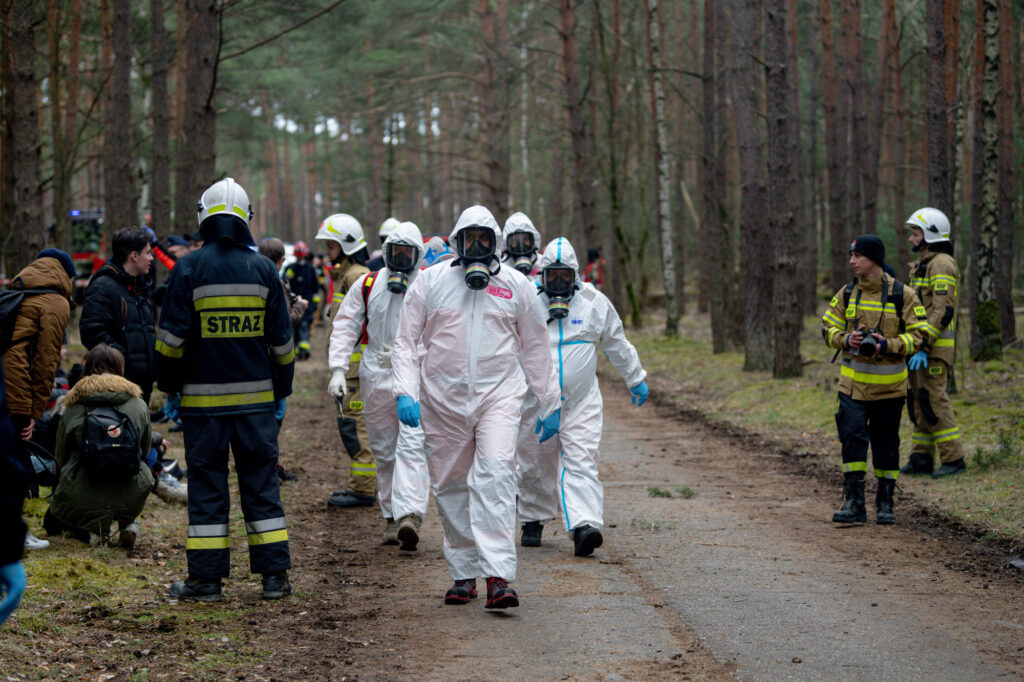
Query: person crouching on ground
[
  {"x": 470, "y": 319},
  {"x": 95, "y": 489}
]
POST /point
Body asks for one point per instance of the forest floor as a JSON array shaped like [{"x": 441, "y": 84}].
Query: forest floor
[{"x": 719, "y": 562}]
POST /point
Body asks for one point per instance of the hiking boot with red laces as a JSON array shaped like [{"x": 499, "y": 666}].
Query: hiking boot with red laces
[
  {"x": 500, "y": 595},
  {"x": 461, "y": 592}
]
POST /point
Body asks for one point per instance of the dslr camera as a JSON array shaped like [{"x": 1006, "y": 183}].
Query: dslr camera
[{"x": 869, "y": 346}]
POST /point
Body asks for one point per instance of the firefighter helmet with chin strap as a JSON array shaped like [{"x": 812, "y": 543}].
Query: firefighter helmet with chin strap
[
  {"x": 932, "y": 222},
  {"x": 225, "y": 197},
  {"x": 343, "y": 229}
]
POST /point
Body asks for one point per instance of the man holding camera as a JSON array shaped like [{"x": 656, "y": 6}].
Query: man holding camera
[{"x": 876, "y": 322}]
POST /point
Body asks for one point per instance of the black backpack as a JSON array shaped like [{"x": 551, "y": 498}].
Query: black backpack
[
  {"x": 110, "y": 446},
  {"x": 10, "y": 301}
]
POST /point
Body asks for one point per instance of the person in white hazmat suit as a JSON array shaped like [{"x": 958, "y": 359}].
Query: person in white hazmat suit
[
  {"x": 522, "y": 241},
  {"x": 563, "y": 471},
  {"x": 471, "y": 316},
  {"x": 374, "y": 304}
]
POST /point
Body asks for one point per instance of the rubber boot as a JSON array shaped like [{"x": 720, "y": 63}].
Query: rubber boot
[
  {"x": 883, "y": 502},
  {"x": 919, "y": 463},
  {"x": 854, "y": 509}
]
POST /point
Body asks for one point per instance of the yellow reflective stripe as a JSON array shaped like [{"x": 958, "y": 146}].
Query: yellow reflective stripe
[
  {"x": 918, "y": 282},
  {"x": 268, "y": 537},
  {"x": 854, "y": 466},
  {"x": 944, "y": 343},
  {"x": 285, "y": 359},
  {"x": 229, "y": 302},
  {"x": 358, "y": 469},
  {"x": 169, "y": 351},
  {"x": 227, "y": 399},
  {"x": 216, "y": 209},
  {"x": 240, "y": 213},
  {"x": 887, "y": 473},
  {"x": 867, "y": 378},
  {"x": 947, "y": 435},
  {"x": 875, "y": 306},
  {"x": 832, "y": 332},
  {"x": 922, "y": 438},
  {"x": 222, "y": 542},
  {"x": 356, "y": 357},
  {"x": 908, "y": 341},
  {"x": 829, "y": 317}
]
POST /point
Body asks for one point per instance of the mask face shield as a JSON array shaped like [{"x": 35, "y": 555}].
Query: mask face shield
[
  {"x": 400, "y": 257},
  {"x": 559, "y": 282},
  {"x": 520, "y": 244},
  {"x": 476, "y": 244}
]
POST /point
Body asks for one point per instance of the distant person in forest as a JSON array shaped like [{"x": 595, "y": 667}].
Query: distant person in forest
[
  {"x": 594, "y": 272},
  {"x": 936, "y": 279},
  {"x": 875, "y": 322}
]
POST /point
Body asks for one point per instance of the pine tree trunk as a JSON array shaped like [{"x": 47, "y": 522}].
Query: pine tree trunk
[
  {"x": 834, "y": 145},
  {"x": 58, "y": 145},
  {"x": 713, "y": 234},
  {"x": 28, "y": 228},
  {"x": 852, "y": 114},
  {"x": 785, "y": 308},
  {"x": 747, "y": 97},
  {"x": 939, "y": 193},
  {"x": 160, "y": 187},
  {"x": 987, "y": 311},
  {"x": 894, "y": 86},
  {"x": 494, "y": 97},
  {"x": 1006, "y": 124}
]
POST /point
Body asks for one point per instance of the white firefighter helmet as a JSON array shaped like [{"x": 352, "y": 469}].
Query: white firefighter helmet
[
  {"x": 386, "y": 227},
  {"x": 344, "y": 229},
  {"x": 225, "y": 196},
  {"x": 932, "y": 222}
]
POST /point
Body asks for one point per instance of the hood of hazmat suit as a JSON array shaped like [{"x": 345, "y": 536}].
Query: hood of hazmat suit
[{"x": 517, "y": 254}]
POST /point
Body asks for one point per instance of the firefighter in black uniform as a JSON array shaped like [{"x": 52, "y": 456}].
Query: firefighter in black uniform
[{"x": 226, "y": 359}]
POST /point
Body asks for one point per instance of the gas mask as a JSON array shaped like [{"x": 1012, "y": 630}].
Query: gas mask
[
  {"x": 476, "y": 249},
  {"x": 521, "y": 251},
  {"x": 401, "y": 260},
  {"x": 558, "y": 281}
]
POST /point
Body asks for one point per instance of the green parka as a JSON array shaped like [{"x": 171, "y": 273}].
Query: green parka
[{"x": 76, "y": 500}]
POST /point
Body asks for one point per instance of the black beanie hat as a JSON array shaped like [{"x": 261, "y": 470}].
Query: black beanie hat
[
  {"x": 870, "y": 246},
  {"x": 63, "y": 257}
]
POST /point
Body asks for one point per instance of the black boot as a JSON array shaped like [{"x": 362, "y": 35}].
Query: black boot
[
  {"x": 883, "y": 502},
  {"x": 531, "y": 534},
  {"x": 854, "y": 509},
  {"x": 950, "y": 468},
  {"x": 195, "y": 589},
  {"x": 919, "y": 463},
  {"x": 276, "y": 585},
  {"x": 585, "y": 540}
]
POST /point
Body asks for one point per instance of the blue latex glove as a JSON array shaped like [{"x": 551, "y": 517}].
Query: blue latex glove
[
  {"x": 12, "y": 586},
  {"x": 549, "y": 425},
  {"x": 918, "y": 360},
  {"x": 408, "y": 411},
  {"x": 279, "y": 409},
  {"x": 171, "y": 407},
  {"x": 638, "y": 394}
]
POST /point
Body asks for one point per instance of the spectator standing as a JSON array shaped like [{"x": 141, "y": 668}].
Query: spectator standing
[
  {"x": 117, "y": 310},
  {"x": 12, "y": 528}
]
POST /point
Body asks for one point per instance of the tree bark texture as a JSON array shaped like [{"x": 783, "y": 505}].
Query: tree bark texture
[
  {"x": 495, "y": 92},
  {"x": 782, "y": 161},
  {"x": 1006, "y": 125},
  {"x": 940, "y": 194},
  {"x": 714, "y": 234},
  {"x": 852, "y": 113},
  {"x": 894, "y": 88},
  {"x": 160, "y": 175},
  {"x": 119, "y": 194},
  {"x": 664, "y": 180},
  {"x": 839, "y": 236},
  {"x": 747, "y": 95}
]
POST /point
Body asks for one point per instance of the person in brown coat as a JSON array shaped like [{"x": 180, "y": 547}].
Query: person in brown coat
[{"x": 31, "y": 362}]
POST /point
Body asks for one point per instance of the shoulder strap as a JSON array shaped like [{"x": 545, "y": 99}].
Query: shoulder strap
[
  {"x": 367, "y": 286},
  {"x": 847, "y": 292},
  {"x": 897, "y": 302}
]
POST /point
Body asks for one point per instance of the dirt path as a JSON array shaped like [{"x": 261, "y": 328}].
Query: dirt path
[{"x": 748, "y": 578}]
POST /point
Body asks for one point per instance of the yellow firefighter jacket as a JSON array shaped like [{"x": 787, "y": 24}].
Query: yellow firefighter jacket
[
  {"x": 936, "y": 279},
  {"x": 344, "y": 276},
  {"x": 884, "y": 375}
]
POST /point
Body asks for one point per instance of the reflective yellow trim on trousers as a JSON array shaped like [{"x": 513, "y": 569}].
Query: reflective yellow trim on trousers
[
  {"x": 232, "y": 302},
  {"x": 169, "y": 351},
  {"x": 922, "y": 438},
  {"x": 947, "y": 435},
  {"x": 358, "y": 355},
  {"x": 854, "y": 466},
  {"x": 887, "y": 473},
  {"x": 358, "y": 469},
  {"x": 866, "y": 378},
  {"x": 944, "y": 343},
  {"x": 268, "y": 537},
  {"x": 227, "y": 400},
  {"x": 222, "y": 542}
]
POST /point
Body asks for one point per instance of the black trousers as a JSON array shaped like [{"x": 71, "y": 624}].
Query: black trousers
[
  {"x": 252, "y": 439},
  {"x": 874, "y": 422}
]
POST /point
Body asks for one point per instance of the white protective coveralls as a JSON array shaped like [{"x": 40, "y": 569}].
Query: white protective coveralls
[
  {"x": 563, "y": 469},
  {"x": 403, "y": 480},
  {"x": 470, "y": 386}
]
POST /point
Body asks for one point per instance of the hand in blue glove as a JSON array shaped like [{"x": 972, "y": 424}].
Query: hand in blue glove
[
  {"x": 408, "y": 411},
  {"x": 549, "y": 425},
  {"x": 12, "y": 586},
  {"x": 280, "y": 406},
  {"x": 918, "y": 360},
  {"x": 171, "y": 407},
  {"x": 638, "y": 394}
]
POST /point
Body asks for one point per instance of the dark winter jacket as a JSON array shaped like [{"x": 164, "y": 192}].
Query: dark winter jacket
[
  {"x": 76, "y": 500},
  {"x": 117, "y": 311},
  {"x": 302, "y": 281},
  {"x": 12, "y": 488},
  {"x": 31, "y": 362},
  {"x": 225, "y": 340}
]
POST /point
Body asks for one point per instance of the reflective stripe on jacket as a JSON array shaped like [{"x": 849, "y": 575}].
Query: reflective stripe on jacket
[{"x": 936, "y": 279}]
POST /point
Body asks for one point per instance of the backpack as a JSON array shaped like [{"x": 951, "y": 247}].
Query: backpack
[
  {"x": 110, "y": 446},
  {"x": 10, "y": 302}
]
